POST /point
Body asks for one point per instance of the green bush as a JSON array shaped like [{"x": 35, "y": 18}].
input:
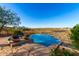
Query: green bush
[
  {"x": 75, "y": 36},
  {"x": 17, "y": 32}
]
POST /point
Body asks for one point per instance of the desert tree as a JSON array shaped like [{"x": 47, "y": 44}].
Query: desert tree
[{"x": 8, "y": 18}]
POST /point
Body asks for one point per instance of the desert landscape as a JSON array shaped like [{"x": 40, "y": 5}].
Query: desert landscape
[
  {"x": 37, "y": 49},
  {"x": 39, "y": 29}
]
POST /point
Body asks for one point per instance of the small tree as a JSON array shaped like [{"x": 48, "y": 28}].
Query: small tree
[
  {"x": 7, "y": 17},
  {"x": 75, "y": 36}
]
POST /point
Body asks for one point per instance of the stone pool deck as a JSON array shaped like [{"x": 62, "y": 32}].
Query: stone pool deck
[{"x": 29, "y": 49}]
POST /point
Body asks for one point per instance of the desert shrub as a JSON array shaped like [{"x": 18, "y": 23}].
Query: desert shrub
[
  {"x": 17, "y": 32},
  {"x": 59, "y": 52},
  {"x": 75, "y": 36}
]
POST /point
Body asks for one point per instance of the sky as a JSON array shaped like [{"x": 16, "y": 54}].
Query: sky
[{"x": 45, "y": 15}]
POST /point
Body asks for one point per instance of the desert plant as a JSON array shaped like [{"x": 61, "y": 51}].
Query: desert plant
[
  {"x": 17, "y": 32},
  {"x": 75, "y": 36},
  {"x": 62, "y": 52},
  {"x": 8, "y": 17}
]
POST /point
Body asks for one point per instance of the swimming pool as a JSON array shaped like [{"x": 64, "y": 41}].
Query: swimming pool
[{"x": 44, "y": 39}]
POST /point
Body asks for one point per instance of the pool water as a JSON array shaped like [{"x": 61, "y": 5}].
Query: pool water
[{"x": 44, "y": 39}]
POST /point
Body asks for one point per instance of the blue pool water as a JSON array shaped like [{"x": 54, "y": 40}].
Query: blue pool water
[{"x": 44, "y": 39}]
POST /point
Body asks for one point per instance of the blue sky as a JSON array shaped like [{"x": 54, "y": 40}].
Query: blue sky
[{"x": 41, "y": 15}]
